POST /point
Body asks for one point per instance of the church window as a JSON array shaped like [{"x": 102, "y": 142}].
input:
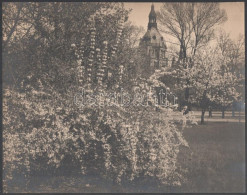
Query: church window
[{"x": 154, "y": 37}]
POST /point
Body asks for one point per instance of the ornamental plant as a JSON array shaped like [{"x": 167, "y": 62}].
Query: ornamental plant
[
  {"x": 45, "y": 131},
  {"x": 116, "y": 143}
]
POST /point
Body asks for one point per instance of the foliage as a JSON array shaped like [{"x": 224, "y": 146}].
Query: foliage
[
  {"x": 211, "y": 79},
  {"x": 108, "y": 141},
  {"x": 44, "y": 130},
  {"x": 192, "y": 26},
  {"x": 232, "y": 52},
  {"x": 50, "y": 35}
]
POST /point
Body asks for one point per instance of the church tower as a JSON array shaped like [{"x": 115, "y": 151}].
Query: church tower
[
  {"x": 153, "y": 47},
  {"x": 152, "y": 18}
]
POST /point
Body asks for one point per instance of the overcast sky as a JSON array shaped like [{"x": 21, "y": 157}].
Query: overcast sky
[{"x": 234, "y": 25}]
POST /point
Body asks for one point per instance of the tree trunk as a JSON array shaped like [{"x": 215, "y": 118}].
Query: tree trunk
[
  {"x": 210, "y": 115},
  {"x": 239, "y": 118},
  {"x": 233, "y": 111},
  {"x": 202, "y": 117},
  {"x": 223, "y": 112}
]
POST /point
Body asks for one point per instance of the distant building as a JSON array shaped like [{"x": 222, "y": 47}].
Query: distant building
[{"x": 152, "y": 47}]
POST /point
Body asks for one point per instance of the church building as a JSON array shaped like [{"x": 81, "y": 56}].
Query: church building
[{"x": 152, "y": 47}]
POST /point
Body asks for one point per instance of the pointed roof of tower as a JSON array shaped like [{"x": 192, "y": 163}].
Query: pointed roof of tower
[
  {"x": 152, "y": 18},
  {"x": 152, "y": 12}
]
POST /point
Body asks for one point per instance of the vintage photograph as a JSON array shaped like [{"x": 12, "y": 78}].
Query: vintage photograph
[{"x": 123, "y": 97}]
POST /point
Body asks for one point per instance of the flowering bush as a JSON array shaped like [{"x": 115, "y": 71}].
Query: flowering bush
[
  {"x": 116, "y": 143},
  {"x": 44, "y": 131}
]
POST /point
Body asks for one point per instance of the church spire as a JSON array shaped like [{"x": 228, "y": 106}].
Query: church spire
[{"x": 152, "y": 18}]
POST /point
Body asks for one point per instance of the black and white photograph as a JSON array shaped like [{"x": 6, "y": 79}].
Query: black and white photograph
[{"x": 123, "y": 97}]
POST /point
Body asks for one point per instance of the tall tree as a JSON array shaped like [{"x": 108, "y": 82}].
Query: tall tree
[
  {"x": 43, "y": 51},
  {"x": 192, "y": 26},
  {"x": 231, "y": 72}
]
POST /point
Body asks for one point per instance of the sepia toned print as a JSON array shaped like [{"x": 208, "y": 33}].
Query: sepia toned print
[{"x": 113, "y": 97}]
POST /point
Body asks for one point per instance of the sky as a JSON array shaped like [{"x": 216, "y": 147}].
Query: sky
[{"x": 234, "y": 25}]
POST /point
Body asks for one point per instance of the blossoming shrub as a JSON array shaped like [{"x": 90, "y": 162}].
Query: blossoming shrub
[
  {"x": 42, "y": 136},
  {"x": 46, "y": 133}
]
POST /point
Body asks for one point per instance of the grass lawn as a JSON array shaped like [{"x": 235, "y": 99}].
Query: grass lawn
[{"x": 215, "y": 162}]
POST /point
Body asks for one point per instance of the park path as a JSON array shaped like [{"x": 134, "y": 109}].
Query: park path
[{"x": 217, "y": 117}]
